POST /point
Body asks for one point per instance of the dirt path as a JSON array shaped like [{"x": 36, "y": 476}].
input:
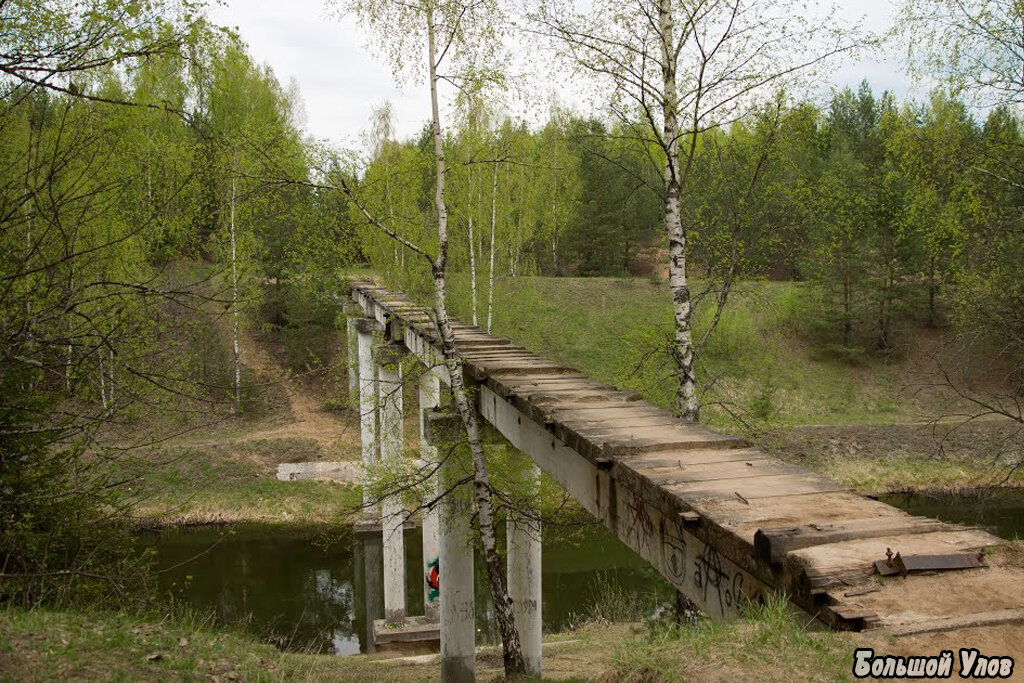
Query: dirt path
[
  {"x": 309, "y": 420},
  {"x": 335, "y": 434}
]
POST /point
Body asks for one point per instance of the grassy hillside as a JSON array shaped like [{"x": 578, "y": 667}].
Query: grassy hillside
[{"x": 757, "y": 366}]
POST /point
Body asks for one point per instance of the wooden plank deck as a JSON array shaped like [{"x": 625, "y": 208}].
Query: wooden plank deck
[{"x": 692, "y": 501}]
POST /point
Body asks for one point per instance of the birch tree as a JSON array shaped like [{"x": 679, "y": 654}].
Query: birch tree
[
  {"x": 685, "y": 67},
  {"x": 467, "y": 178},
  {"x": 974, "y": 45},
  {"x": 556, "y": 190},
  {"x": 462, "y": 46}
]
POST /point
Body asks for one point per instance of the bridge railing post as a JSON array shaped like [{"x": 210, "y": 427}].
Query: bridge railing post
[
  {"x": 389, "y": 384},
  {"x": 458, "y": 610}
]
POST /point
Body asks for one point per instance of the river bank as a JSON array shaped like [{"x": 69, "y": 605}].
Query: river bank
[
  {"x": 944, "y": 457},
  {"x": 231, "y": 480},
  {"x": 44, "y": 645}
]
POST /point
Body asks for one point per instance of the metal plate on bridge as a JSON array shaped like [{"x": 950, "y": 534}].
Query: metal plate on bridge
[{"x": 900, "y": 565}]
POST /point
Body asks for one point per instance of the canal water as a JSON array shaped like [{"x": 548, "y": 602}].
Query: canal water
[
  {"x": 317, "y": 590},
  {"x": 1002, "y": 509}
]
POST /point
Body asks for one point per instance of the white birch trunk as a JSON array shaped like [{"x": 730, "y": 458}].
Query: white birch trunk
[
  {"x": 67, "y": 370},
  {"x": 554, "y": 242},
  {"x": 490, "y": 275},
  {"x": 682, "y": 352},
  {"x": 234, "y": 304},
  {"x": 472, "y": 256},
  {"x": 391, "y": 211},
  {"x": 103, "y": 385},
  {"x": 110, "y": 378},
  {"x": 512, "y": 651}
]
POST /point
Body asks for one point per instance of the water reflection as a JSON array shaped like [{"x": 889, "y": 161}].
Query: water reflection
[
  {"x": 319, "y": 590},
  {"x": 1002, "y": 509}
]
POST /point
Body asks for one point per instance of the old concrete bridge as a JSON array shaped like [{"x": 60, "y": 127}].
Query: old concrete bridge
[{"x": 721, "y": 520}]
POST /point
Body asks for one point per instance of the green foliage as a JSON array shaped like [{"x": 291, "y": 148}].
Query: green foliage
[
  {"x": 57, "y": 545},
  {"x": 143, "y": 217},
  {"x": 894, "y": 216},
  {"x": 304, "y": 325},
  {"x": 762, "y": 405}
]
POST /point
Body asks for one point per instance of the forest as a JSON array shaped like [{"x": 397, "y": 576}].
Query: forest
[
  {"x": 890, "y": 210},
  {"x": 165, "y": 218}
]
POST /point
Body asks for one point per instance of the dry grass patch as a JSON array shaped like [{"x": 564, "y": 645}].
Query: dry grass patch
[{"x": 902, "y": 457}]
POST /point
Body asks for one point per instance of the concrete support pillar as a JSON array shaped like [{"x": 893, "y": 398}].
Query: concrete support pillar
[
  {"x": 524, "y": 567},
  {"x": 366, "y": 330},
  {"x": 458, "y": 611},
  {"x": 389, "y": 384},
  {"x": 430, "y": 399},
  {"x": 368, "y": 582},
  {"x": 352, "y": 312}
]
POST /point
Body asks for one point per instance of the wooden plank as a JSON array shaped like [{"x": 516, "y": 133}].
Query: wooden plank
[
  {"x": 596, "y": 410},
  {"x": 483, "y": 346},
  {"x": 771, "y": 544},
  {"x": 485, "y": 365},
  {"x": 569, "y": 398},
  {"x": 1011, "y": 615},
  {"x": 735, "y": 469},
  {"x": 488, "y": 343},
  {"x": 617, "y": 421},
  {"x": 823, "y": 507},
  {"x": 649, "y": 439},
  {"x": 463, "y": 339},
  {"x": 855, "y": 559},
  {"x": 656, "y": 461},
  {"x": 512, "y": 353},
  {"x": 525, "y": 383},
  {"x": 755, "y": 488},
  {"x": 520, "y": 369},
  {"x": 601, "y": 413},
  {"x": 593, "y": 441}
]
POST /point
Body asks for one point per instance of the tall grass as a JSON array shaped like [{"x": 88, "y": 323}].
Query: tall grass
[{"x": 768, "y": 644}]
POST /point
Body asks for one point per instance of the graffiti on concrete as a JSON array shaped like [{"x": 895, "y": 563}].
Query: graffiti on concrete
[{"x": 433, "y": 578}]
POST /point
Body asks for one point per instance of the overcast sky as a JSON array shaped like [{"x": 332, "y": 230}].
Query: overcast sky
[{"x": 341, "y": 81}]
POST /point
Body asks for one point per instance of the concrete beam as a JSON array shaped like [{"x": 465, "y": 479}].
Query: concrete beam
[{"x": 660, "y": 535}]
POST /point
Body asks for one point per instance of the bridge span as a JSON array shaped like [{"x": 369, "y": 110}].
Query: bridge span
[{"x": 720, "y": 519}]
